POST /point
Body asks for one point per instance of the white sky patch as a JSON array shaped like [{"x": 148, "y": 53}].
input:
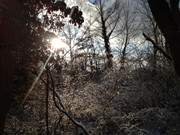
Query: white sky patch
[
  {"x": 57, "y": 43},
  {"x": 90, "y": 14}
]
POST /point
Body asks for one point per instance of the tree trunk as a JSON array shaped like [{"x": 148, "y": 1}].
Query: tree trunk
[
  {"x": 47, "y": 105},
  {"x": 166, "y": 20},
  {"x": 7, "y": 69},
  {"x": 106, "y": 42}
]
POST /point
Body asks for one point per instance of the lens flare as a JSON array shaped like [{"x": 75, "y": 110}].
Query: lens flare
[{"x": 57, "y": 43}]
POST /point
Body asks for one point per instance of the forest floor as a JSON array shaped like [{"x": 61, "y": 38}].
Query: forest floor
[{"x": 108, "y": 103}]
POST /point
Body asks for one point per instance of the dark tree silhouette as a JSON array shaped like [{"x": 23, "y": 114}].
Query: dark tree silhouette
[
  {"x": 21, "y": 36},
  {"x": 108, "y": 20},
  {"x": 167, "y": 17}
]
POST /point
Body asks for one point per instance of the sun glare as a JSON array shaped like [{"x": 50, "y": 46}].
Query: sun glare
[{"x": 57, "y": 43}]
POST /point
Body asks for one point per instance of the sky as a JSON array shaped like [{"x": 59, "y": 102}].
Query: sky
[
  {"x": 93, "y": 1},
  {"x": 88, "y": 8}
]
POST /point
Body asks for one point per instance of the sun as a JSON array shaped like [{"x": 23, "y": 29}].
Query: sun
[{"x": 57, "y": 43}]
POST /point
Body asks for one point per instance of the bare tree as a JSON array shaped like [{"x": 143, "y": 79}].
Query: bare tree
[
  {"x": 152, "y": 34},
  {"x": 109, "y": 16},
  {"x": 167, "y": 17},
  {"x": 129, "y": 29}
]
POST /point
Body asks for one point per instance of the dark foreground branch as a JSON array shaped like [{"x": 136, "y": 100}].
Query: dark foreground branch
[
  {"x": 157, "y": 47},
  {"x": 59, "y": 105}
]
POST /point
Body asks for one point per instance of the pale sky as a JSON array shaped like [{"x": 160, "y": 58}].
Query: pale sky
[{"x": 89, "y": 12}]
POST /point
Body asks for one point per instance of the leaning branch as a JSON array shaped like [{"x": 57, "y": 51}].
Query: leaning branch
[
  {"x": 157, "y": 47},
  {"x": 59, "y": 105}
]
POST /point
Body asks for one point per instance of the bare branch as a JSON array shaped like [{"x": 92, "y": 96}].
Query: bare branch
[{"x": 157, "y": 47}]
